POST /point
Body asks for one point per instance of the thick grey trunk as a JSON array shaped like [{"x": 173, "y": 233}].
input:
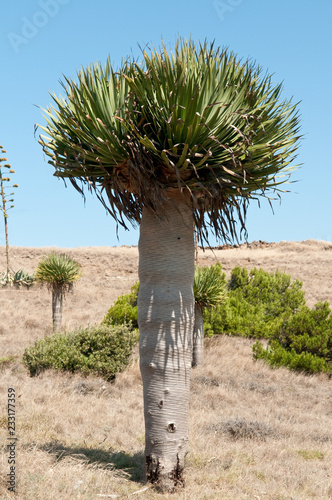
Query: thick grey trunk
[
  {"x": 198, "y": 337},
  {"x": 165, "y": 319},
  {"x": 57, "y": 302}
]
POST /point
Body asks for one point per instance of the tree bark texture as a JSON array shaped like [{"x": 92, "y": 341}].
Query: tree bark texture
[
  {"x": 166, "y": 321},
  {"x": 198, "y": 337},
  {"x": 57, "y": 302}
]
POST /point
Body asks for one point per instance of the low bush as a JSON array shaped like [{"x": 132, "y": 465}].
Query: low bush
[
  {"x": 257, "y": 304},
  {"x": 101, "y": 350},
  {"x": 124, "y": 309},
  {"x": 276, "y": 291},
  {"x": 302, "y": 342},
  {"x": 276, "y": 356}
]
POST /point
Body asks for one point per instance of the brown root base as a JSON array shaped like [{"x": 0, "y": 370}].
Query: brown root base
[{"x": 164, "y": 482}]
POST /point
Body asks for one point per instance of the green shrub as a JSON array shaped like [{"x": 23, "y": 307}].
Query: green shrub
[
  {"x": 124, "y": 309},
  {"x": 257, "y": 304},
  {"x": 303, "y": 341},
  {"x": 238, "y": 317},
  {"x": 309, "y": 330},
  {"x": 101, "y": 350},
  {"x": 276, "y": 356},
  {"x": 276, "y": 291},
  {"x": 214, "y": 319}
]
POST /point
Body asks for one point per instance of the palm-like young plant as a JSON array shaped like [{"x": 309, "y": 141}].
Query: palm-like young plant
[
  {"x": 209, "y": 291},
  {"x": 185, "y": 137},
  {"x": 58, "y": 272}
]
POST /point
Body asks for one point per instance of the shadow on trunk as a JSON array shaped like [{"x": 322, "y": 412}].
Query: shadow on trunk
[{"x": 198, "y": 338}]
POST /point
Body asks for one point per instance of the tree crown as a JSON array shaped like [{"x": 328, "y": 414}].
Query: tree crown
[
  {"x": 58, "y": 271},
  {"x": 195, "y": 118}
]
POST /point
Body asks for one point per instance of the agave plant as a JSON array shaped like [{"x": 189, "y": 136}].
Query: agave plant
[
  {"x": 209, "y": 291},
  {"x": 6, "y": 278},
  {"x": 185, "y": 137},
  {"x": 58, "y": 272},
  {"x": 21, "y": 278}
]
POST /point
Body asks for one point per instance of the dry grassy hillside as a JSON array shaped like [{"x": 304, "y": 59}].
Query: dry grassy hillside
[{"x": 256, "y": 433}]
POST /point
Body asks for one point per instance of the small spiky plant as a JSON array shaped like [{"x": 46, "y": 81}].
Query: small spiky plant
[
  {"x": 58, "y": 272},
  {"x": 209, "y": 291}
]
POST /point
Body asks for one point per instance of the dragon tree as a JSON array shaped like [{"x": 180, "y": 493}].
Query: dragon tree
[{"x": 184, "y": 138}]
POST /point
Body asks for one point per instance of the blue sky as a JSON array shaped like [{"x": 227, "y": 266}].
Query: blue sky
[{"x": 44, "y": 39}]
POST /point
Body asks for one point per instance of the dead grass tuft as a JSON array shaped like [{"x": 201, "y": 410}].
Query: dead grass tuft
[
  {"x": 240, "y": 428},
  {"x": 208, "y": 381}
]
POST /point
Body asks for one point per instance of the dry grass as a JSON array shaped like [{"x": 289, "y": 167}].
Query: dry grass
[{"x": 256, "y": 433}]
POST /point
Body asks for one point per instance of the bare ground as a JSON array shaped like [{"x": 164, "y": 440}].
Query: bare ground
[{"x": 256, "y": 433}]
